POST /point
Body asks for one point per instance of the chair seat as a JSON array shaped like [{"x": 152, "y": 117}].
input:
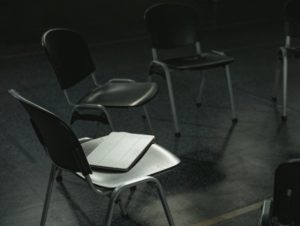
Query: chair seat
[
  {"x": 206, "y": 60},
  {"x": 156, "y": 159},
  {"x": 121, "y": 94}
]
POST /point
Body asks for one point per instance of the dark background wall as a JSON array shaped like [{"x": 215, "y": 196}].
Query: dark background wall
[{"x": 116, "y": 19}]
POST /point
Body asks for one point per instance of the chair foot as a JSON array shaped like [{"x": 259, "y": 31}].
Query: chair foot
[
  {"x": 59, "y": 178},
  {"x": 143, "y": 116},
  {"x": 177, "y": 134},
  {"x": 284, "y": 118},
  {"x": 198, "y": 105},
  {"x": 274, "y": 99},
  {"x": 234, "y": 120}
]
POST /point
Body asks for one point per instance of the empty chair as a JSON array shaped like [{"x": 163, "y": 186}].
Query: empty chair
[
  {"x": 292, "y": 33},
  {"x": 174, "y": 26},
  {"x": 67, "y": 153},
  {"x": 284, "y": 208},
  {"x": 70, "y": 58}
]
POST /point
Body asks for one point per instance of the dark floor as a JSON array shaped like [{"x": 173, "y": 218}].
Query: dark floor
[{"x": 224, "y": 167}]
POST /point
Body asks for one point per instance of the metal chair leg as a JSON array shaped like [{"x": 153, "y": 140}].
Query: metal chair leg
[
  {"x": 48, "y": 195},
  {"x": 164, "y": 203},
  {"x": 172, "y": 102},
  {"x": 199, "y": 97},
  {"x": 110, "y": 212},
  {"x": 228, "y": 77},
  {"x": 114, "y": 197},
  {"x": 276, "y": 80},
  {"x": 95, "y": 107},
  {"x": 285, "y": 75},
  {"x": 148, "y": 119},
  {"x": 112, "y": 202}
]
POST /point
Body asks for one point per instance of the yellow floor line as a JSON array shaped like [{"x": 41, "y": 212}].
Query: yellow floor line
[{"x": 230, "y": 215}]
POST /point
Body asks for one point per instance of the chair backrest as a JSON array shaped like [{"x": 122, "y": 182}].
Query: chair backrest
[
  {"x": 292, "y": 17},
  {"x": 287, "y": 193},
  {"x": 171, "y": 25},
  {"x": 55, "y": 135},
  {"x": 69, "y": 56}
]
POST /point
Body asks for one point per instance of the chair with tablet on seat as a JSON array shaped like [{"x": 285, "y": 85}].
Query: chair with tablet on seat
[
  {"x": 71, "y": 60},
  {"x": 68, "y": 153},
  {"x": 288, "y": 51},
  {"x": 173, "y": 26},
  {"x": 283, "y": 208}
]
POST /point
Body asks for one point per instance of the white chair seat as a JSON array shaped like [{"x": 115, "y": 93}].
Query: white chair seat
[{"x": 156, "y": 159}]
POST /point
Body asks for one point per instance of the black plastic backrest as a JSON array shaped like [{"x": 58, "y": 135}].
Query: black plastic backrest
[
  {"x": 69, "y": 56},
  {"x": 287, "y": 193},
  {"x": 171, "y": 25},
  {"x": 292, "y": 17},
  {"x": 59, "y": 140}
]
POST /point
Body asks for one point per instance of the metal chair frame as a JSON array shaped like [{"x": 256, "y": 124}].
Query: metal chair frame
[
  {"x": 114, "y": 195},
  {"x": 101, "y": 108},
  {"x": 74, "y": 160},
  {"x": 167, "y": 73},
  {"x": 97, "y": 107},
  {"x": 292, "y": 32},
  {"x": 282, "y": 67}
]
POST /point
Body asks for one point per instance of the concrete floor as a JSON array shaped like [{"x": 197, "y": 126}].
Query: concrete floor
[{"x": 224, "y": 167}]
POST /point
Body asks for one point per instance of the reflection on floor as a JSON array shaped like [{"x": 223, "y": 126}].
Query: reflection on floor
[{"x": 224, "y": 167}]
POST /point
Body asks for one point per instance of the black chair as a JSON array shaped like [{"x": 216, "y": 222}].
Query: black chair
[
  {"x": 70, "y": 58},
  {"x": 292, "y": 33},
  {"x": 284, "y": 208},
  {"x": 69, "y": 154},
  {"x": 172, "y": 26}
]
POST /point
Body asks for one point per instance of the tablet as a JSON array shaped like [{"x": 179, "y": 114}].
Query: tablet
[{"x": 119, "y": 151}]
